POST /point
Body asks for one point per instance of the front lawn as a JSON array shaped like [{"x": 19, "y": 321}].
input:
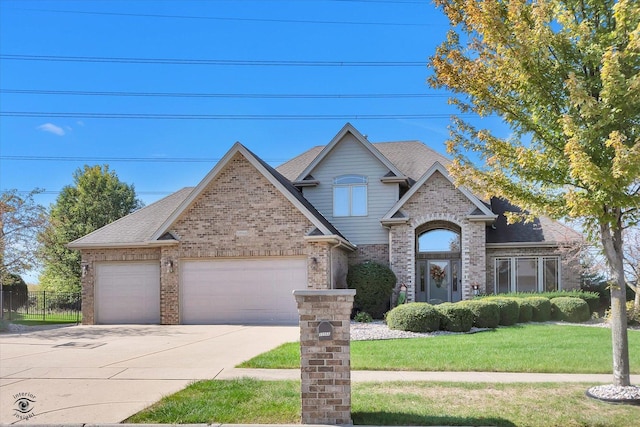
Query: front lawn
[
  {"x": 522, "y": 348},
  {"x": 396, "y": 403}
]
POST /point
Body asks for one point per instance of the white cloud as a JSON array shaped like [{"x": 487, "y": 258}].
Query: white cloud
[{"x": 51, "y": 128}]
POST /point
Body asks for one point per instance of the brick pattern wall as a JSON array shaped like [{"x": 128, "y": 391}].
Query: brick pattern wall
[
  {"x": 325, "y": 365},
  {"x": 438, "y": 200},
  {"x": 91, "y": 256},
  {"x": 569, "y": 268},
  {"x": 169, "y": 286},
  {"x": 377, "y": 252},
  {"x": 244, "y": 214},
  {"x": 240, "y": 214}
]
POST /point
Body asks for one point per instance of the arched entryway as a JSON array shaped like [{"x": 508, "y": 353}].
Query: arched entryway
[{"x": 438, "y": 262}]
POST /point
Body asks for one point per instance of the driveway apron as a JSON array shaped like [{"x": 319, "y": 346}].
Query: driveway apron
[{"x": 104, "y": 374}]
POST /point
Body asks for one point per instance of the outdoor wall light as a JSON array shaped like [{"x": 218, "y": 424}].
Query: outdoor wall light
[
  {"x": 85, "y": 269},
  {"x": 169, "y": 264}
]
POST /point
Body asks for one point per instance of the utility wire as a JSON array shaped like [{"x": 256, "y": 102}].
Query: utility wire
[
  {"x": 150, "y": 116},
  {"x": 116, "y": 159},
  {"x": 224, "y": 95},
  {"x": 221, "y": 62},
  {"x": 219, "y": 18}
]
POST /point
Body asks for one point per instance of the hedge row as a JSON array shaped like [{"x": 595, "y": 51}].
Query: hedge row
[
  {"x": 488, "y": 312},
  {"x": 591, "y": 298}
]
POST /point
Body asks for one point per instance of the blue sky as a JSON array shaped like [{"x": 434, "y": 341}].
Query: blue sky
[{"x": 43, "y": 149}]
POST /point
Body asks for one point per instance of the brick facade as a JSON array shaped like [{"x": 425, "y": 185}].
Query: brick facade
[
  {"x": 325, "y": 365},
  {"x": 378, "y": 253},
  {"x": 240, "y": 214},
  {"x": 440, "y": 202}
]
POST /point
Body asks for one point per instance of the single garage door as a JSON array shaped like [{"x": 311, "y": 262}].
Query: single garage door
[
  {"x": 246, "y": 291},
  {"x": 127, "y": 293}
]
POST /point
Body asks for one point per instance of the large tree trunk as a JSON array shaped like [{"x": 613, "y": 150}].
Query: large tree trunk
[{"x": 612, "y": 244}]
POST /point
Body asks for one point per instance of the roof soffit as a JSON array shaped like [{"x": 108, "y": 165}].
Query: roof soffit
[
  {"x": 438, "y": 167},
  {"x": 255, "y": 162},
  {"x": 349, "y": 128}
]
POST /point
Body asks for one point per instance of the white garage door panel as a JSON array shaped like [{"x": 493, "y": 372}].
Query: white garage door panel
[
  {"x": 128, "y": 293},
  {"x": 242, "y": 291}
]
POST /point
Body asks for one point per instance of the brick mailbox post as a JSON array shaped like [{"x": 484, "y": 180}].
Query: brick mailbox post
[{"x": 325, "y": 355}]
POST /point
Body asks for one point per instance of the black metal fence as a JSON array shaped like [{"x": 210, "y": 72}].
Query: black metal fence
[{"x": 42, "y": 306}]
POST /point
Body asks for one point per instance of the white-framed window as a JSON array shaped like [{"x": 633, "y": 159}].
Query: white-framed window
[
  {"x": 527, "y": 274},
  {"x": 350, "y": 195}
]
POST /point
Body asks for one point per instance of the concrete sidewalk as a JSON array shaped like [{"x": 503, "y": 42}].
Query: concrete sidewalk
[{"x": 385, "y": 376}]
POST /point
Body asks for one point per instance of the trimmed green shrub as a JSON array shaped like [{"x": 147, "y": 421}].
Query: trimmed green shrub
[
  {"x": 541, "y": 309},
  {"x": 414, "y": 317},
  {"x": 486, "y": 314},
  {"x": 509, "y": 310},
  {"x": 570, "y": 309},
  {"x": 526, "y": 310},
  {"x": 363, "y": 317},
  {"x": 455, "y": 317},
  {"x": 374, "y": 284},
  {"x": 591, "y": 298}
]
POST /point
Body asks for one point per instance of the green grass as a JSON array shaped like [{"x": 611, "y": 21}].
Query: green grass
[
  {"x": 396, "y": 403},
  {"x": 38, "y": 319},
  {"x": 522, "y": 348}
]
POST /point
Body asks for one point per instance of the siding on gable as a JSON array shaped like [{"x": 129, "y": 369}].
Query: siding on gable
[{"x": 350, "y": 157}]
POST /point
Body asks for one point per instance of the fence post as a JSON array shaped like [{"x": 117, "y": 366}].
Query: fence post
[
  {"x": 10, "y": 304},
  {"x": 44, "y": 305}
]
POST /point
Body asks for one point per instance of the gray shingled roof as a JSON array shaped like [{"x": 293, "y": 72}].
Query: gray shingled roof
[
  {"x": 137, "y": 227},
  {"x": 413, "y": 158},
  {"x": 541, "y": 230}
]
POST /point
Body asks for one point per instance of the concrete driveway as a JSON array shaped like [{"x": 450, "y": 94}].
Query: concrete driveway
[{"x": 104, "y": 374}]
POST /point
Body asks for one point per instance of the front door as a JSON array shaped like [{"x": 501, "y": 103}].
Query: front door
[{"x": 438, "y": 280}]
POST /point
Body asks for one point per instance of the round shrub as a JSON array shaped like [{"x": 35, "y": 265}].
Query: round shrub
[
  {"x": 414, "y": 317},
  {"x": 541, "y": 309},
  {"x": 570, "y": 309},
  {"x": 486, "y": 314},
  {"x": 509, "y": 310},
  {"x": 591, "y": 298},
  {"x": 374, "y": 284},
  {"x": 455, "y": 317},
  {"x": 526, "y": 310}
]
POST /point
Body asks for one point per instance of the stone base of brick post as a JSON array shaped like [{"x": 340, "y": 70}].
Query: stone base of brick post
[{"x": 325, "y": 355}]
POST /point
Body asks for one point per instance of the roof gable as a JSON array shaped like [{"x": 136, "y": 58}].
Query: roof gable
[
  {"x": 276, "y": 179},
  {"x": 481, "y": 211},
  {"x": 324, "y": 152}
]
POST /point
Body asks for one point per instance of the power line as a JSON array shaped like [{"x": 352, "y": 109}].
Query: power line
[
  {"x": 219, "y": 62},
  {"x": 219, "y": 18},
  {"x": 115, "y": 159},
  {"x": 49, "y": 192},
  {"x": 150, "y": 116},
  {"x": 224, "y": 95}
]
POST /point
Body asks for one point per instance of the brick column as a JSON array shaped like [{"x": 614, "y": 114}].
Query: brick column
[{"x": 325, "y": 357}]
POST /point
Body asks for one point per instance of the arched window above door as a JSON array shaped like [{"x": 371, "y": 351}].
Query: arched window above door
[{"x": 439, "y": 240}]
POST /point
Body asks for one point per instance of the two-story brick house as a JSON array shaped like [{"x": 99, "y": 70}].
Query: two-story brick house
[{"x": 233, "y": 248}]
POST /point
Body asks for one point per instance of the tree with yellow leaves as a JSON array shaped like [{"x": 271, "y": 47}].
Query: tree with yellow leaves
[{"x": 565, "y": 76}]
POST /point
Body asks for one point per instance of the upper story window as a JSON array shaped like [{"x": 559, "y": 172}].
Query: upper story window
[{"x": 350, "y": 195}]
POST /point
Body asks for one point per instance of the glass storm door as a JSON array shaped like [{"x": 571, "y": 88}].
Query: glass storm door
[{"x": 439, "y": 281}]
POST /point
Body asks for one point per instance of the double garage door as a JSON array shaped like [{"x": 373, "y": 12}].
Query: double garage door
[{"x": 231, "y": 291}]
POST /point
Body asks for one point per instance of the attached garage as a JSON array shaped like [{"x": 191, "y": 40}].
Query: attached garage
[
  {"x": 246, "y": 291},
  {"x": 127, "y": 293}
]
